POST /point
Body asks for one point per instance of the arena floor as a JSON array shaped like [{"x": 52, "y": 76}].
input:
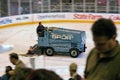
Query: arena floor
[{"x": 19, "y": 38}]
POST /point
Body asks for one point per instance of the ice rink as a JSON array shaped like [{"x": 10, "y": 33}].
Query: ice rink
[{"x": 19, "y": 38}]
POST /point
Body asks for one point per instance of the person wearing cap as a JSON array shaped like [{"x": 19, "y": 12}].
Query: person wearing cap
[
  {"x": 14, "y": 59},
  {"x": 73, "y": 72}
]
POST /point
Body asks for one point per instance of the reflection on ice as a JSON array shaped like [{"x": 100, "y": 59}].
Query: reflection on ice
[{"x": 5, "y": 48}]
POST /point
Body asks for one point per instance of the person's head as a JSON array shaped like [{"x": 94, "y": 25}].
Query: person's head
[
  {"x": 43, "y": 74},
  {"x": 40, "y": 23},
  {"x": 7, "y": 69},
  {"x": 14, "y": 58},
  {"x": 104, "y": 34},
  {"x": 73, "y": 68}
]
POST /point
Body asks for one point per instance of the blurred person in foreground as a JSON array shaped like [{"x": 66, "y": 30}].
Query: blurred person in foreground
[
  {"x": 73, "y": 72},
  {"x": 6, "y": 76},
  {"x": 43, "y": 74},
  {"x": 103, "y": 62},
  {"x": 14, "y": 59},
  {"x": 22, "y": 73}
]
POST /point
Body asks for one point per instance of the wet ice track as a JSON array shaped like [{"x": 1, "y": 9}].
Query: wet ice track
[{"x": 19, "y": 38}]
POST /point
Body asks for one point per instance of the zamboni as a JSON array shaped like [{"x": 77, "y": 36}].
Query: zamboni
[{"x": 60, "y": 40}]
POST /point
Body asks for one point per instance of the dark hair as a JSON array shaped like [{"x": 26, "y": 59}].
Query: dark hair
[
  {"x": 40, "y": 23},
  {"x": 9, "y": 67},
  {"x": 104, "y": 27},
  {"x": 14, "y": 55},
  {"x": 43, "y": 74}
]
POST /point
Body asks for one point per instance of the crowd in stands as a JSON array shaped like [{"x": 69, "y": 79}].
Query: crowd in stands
[
  {"x": 48, "y": 6},
  {"x": 22, "y": 72}
]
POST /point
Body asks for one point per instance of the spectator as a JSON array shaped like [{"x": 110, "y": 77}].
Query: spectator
[
  {"x": 43, "y": 74},
  {"x": 73, "y": 72},
  {"x": 103, "y": 62},
  {"x": 14, "y": 59},
  {"x": 40, "y": 30},
  {"x": 6, "y": 76},
  {"x": 22, "y": 73}
]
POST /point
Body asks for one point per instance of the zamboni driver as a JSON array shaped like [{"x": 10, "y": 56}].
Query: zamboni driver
[{"x": 40, "y": 30}]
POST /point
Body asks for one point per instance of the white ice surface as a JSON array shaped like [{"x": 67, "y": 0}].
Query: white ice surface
[{"x": 21, "y": 37}]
